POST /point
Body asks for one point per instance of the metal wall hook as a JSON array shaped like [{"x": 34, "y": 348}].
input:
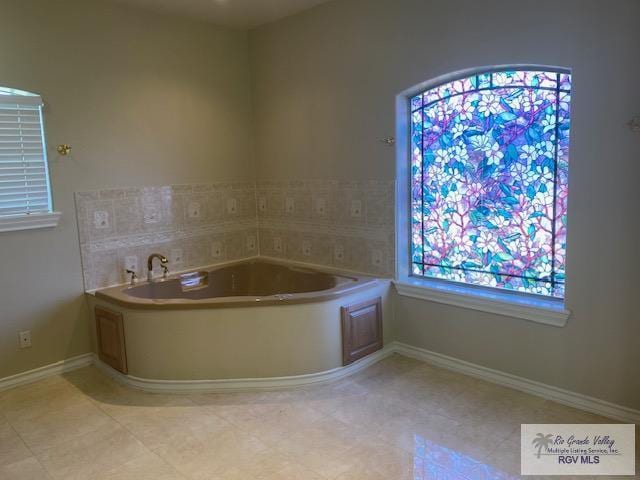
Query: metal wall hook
[
  {"x": 389, "y": 141},
  {"x": 63, "y": 149},
  {"x": 634, "y": 124}
]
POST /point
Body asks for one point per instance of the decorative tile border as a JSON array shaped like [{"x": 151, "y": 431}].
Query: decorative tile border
[
  {"x": 193, "y": 225},
  {"x": 346, "y": 225}
]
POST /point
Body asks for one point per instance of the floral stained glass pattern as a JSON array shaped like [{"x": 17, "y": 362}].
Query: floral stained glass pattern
[{"x": 489, "y": 180}]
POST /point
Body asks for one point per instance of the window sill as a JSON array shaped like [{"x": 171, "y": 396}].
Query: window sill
[
  {"x": 510, "y": 304},
  {"x": 13, "y": 223}
]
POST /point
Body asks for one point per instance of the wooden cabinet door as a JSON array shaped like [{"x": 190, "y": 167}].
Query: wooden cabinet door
[
  {"x": 361, "y": 330},
  {"x": 110, "y": 333}
]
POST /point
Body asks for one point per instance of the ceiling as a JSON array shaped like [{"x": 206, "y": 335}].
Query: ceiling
[{"x": 229, "y": 13}]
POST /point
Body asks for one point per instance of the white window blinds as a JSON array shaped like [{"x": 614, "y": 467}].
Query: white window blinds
[{"x": 24, "y": 175}]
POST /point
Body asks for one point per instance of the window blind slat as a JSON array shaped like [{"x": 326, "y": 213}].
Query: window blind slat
[
  {"x": 20, "y": 208},
  {"x": 26, "y": 203}
]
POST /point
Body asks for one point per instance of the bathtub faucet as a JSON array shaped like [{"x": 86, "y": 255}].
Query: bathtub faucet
[{"x": 163, "y": 264}]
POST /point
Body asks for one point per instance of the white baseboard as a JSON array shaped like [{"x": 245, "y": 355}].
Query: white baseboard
[
  {"x": 559, "y": 395},
  {"x": 565, "y": 397},
  {"x": 243, "y": 384},
  {"x": 56, "y": 368}
]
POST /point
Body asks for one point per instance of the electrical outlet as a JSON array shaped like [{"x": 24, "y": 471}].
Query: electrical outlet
[
  {"x": 152, "y": 214},
  {"x": 306, "y": 248},
  {"x": 262, "y": 204},
  {"x": 216, "y": 249},
  {"x": 176, "y": 256},
  {"x": 101, "y": 219},
  {"x": 321, "y": 206},
  {"x": 131, "y": 263},
  {"x": 356, "y": 208},
  {"x": 277, "y": 244},
  {"x": 193, "y": 210},
  {"x": 251, "y": 243},
  {"x": 289, "y": 205},
  {"x": 338, "y": 253},
  {"x": 232, "y": 206},
  {"x": 376, "y": 257},
  {"x": 25, "y": 339}
]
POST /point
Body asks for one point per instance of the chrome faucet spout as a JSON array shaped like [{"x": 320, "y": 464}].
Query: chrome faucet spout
[{"x": 163, "y": 262}]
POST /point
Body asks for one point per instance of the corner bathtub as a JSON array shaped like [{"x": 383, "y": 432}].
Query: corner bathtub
[{"x": 250, "y": 324}]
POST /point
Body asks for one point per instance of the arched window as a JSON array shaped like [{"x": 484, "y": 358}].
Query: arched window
[
  {"x": 489, "y": 168},
  {"x": 25, "y": 193}
]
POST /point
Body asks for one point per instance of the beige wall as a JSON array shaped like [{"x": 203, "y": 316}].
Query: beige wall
[
  {"x": 324, "y": 84},
  {"x": 143, "y": 99}
]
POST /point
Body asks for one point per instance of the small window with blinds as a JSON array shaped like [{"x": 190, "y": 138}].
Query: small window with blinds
[{"x": 25, "y": 191}]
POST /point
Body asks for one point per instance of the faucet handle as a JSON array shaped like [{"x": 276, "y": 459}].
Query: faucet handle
[
  {"x": 165, "y": 270},
  {"x": 134, "y": 276}
]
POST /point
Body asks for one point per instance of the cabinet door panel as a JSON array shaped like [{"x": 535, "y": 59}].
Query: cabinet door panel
[
  {"x": 110, "y": 333},
  {"x": 361, "y": 330}
]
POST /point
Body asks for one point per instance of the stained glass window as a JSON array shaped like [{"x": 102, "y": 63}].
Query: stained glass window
[{"x": 489, "y": 169}]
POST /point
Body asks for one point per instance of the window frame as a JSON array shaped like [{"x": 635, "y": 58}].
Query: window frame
[
  {"x": 537, "y": 308},
  {"x": 41, "y": 219}
]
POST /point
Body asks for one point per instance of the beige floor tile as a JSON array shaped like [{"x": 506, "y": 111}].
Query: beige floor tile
[
  {"x": 506, "y": 457},
  {"x": 268, "y": 465},
  {"x": 36, "y": 399},
  {"x": 198, "y": 459},
  {"x": 361, "y": 472},
  {"x": 119, "y": 402},
  {"x": 403, "y": 431},
  {"x": 92, "y": 454},
  {"x": 276, "y": 425},
  {"x": 381, "y": 373},
  {"x": 366, "y": 409},
  {"x": 158, "y": 427},
  {"x": 435, "y": 461},
  {"x": 385, "y": 459},
  {"x": 51, "y": 428},
  {"x": 12, "y": 448},
  {"x": 292, "y": 472},
  {"x": 115, "y": 399},
  {"x": 147, "y": 467},
  {"x": 25, "y": 469},
  {"x": 324, "y": 447}
]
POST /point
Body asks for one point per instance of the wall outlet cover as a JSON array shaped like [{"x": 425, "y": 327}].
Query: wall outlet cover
[
  {"x": 289, "y": 205},
  {"x": 376, "y": 257},
  {"x": 152, "y": 214},
  {"x": 131, "y": 263},
  {"x": 25, "y": 339},
  {"x": 306, "y": 248},
  {"x": 176, "y": 256},
  {"x": 262, "y": 204},
  {"x": 232, "y": 206},
  {"x": 338, "y": 252},
  {"x": 356, "y": 208},
  {"x": 321, "y": 206},
  {"x": 277, "y": 244},
  {"x": 193, "y": 210},
  {"x": 251, "y": 243},
  {"x": 101, "y": 219},
  {"x": 216, "y": 249}
]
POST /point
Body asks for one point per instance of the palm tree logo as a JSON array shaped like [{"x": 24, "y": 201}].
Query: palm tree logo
[{"x": 542, "y": 441}]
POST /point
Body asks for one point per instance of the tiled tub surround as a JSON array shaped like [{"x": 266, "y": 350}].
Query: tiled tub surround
[
  {"x": 346, "y": 225},
  {"x": 193, "y": 225}
]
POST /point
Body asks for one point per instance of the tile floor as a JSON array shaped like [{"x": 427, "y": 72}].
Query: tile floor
[{"x": 398, "y": 419}]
